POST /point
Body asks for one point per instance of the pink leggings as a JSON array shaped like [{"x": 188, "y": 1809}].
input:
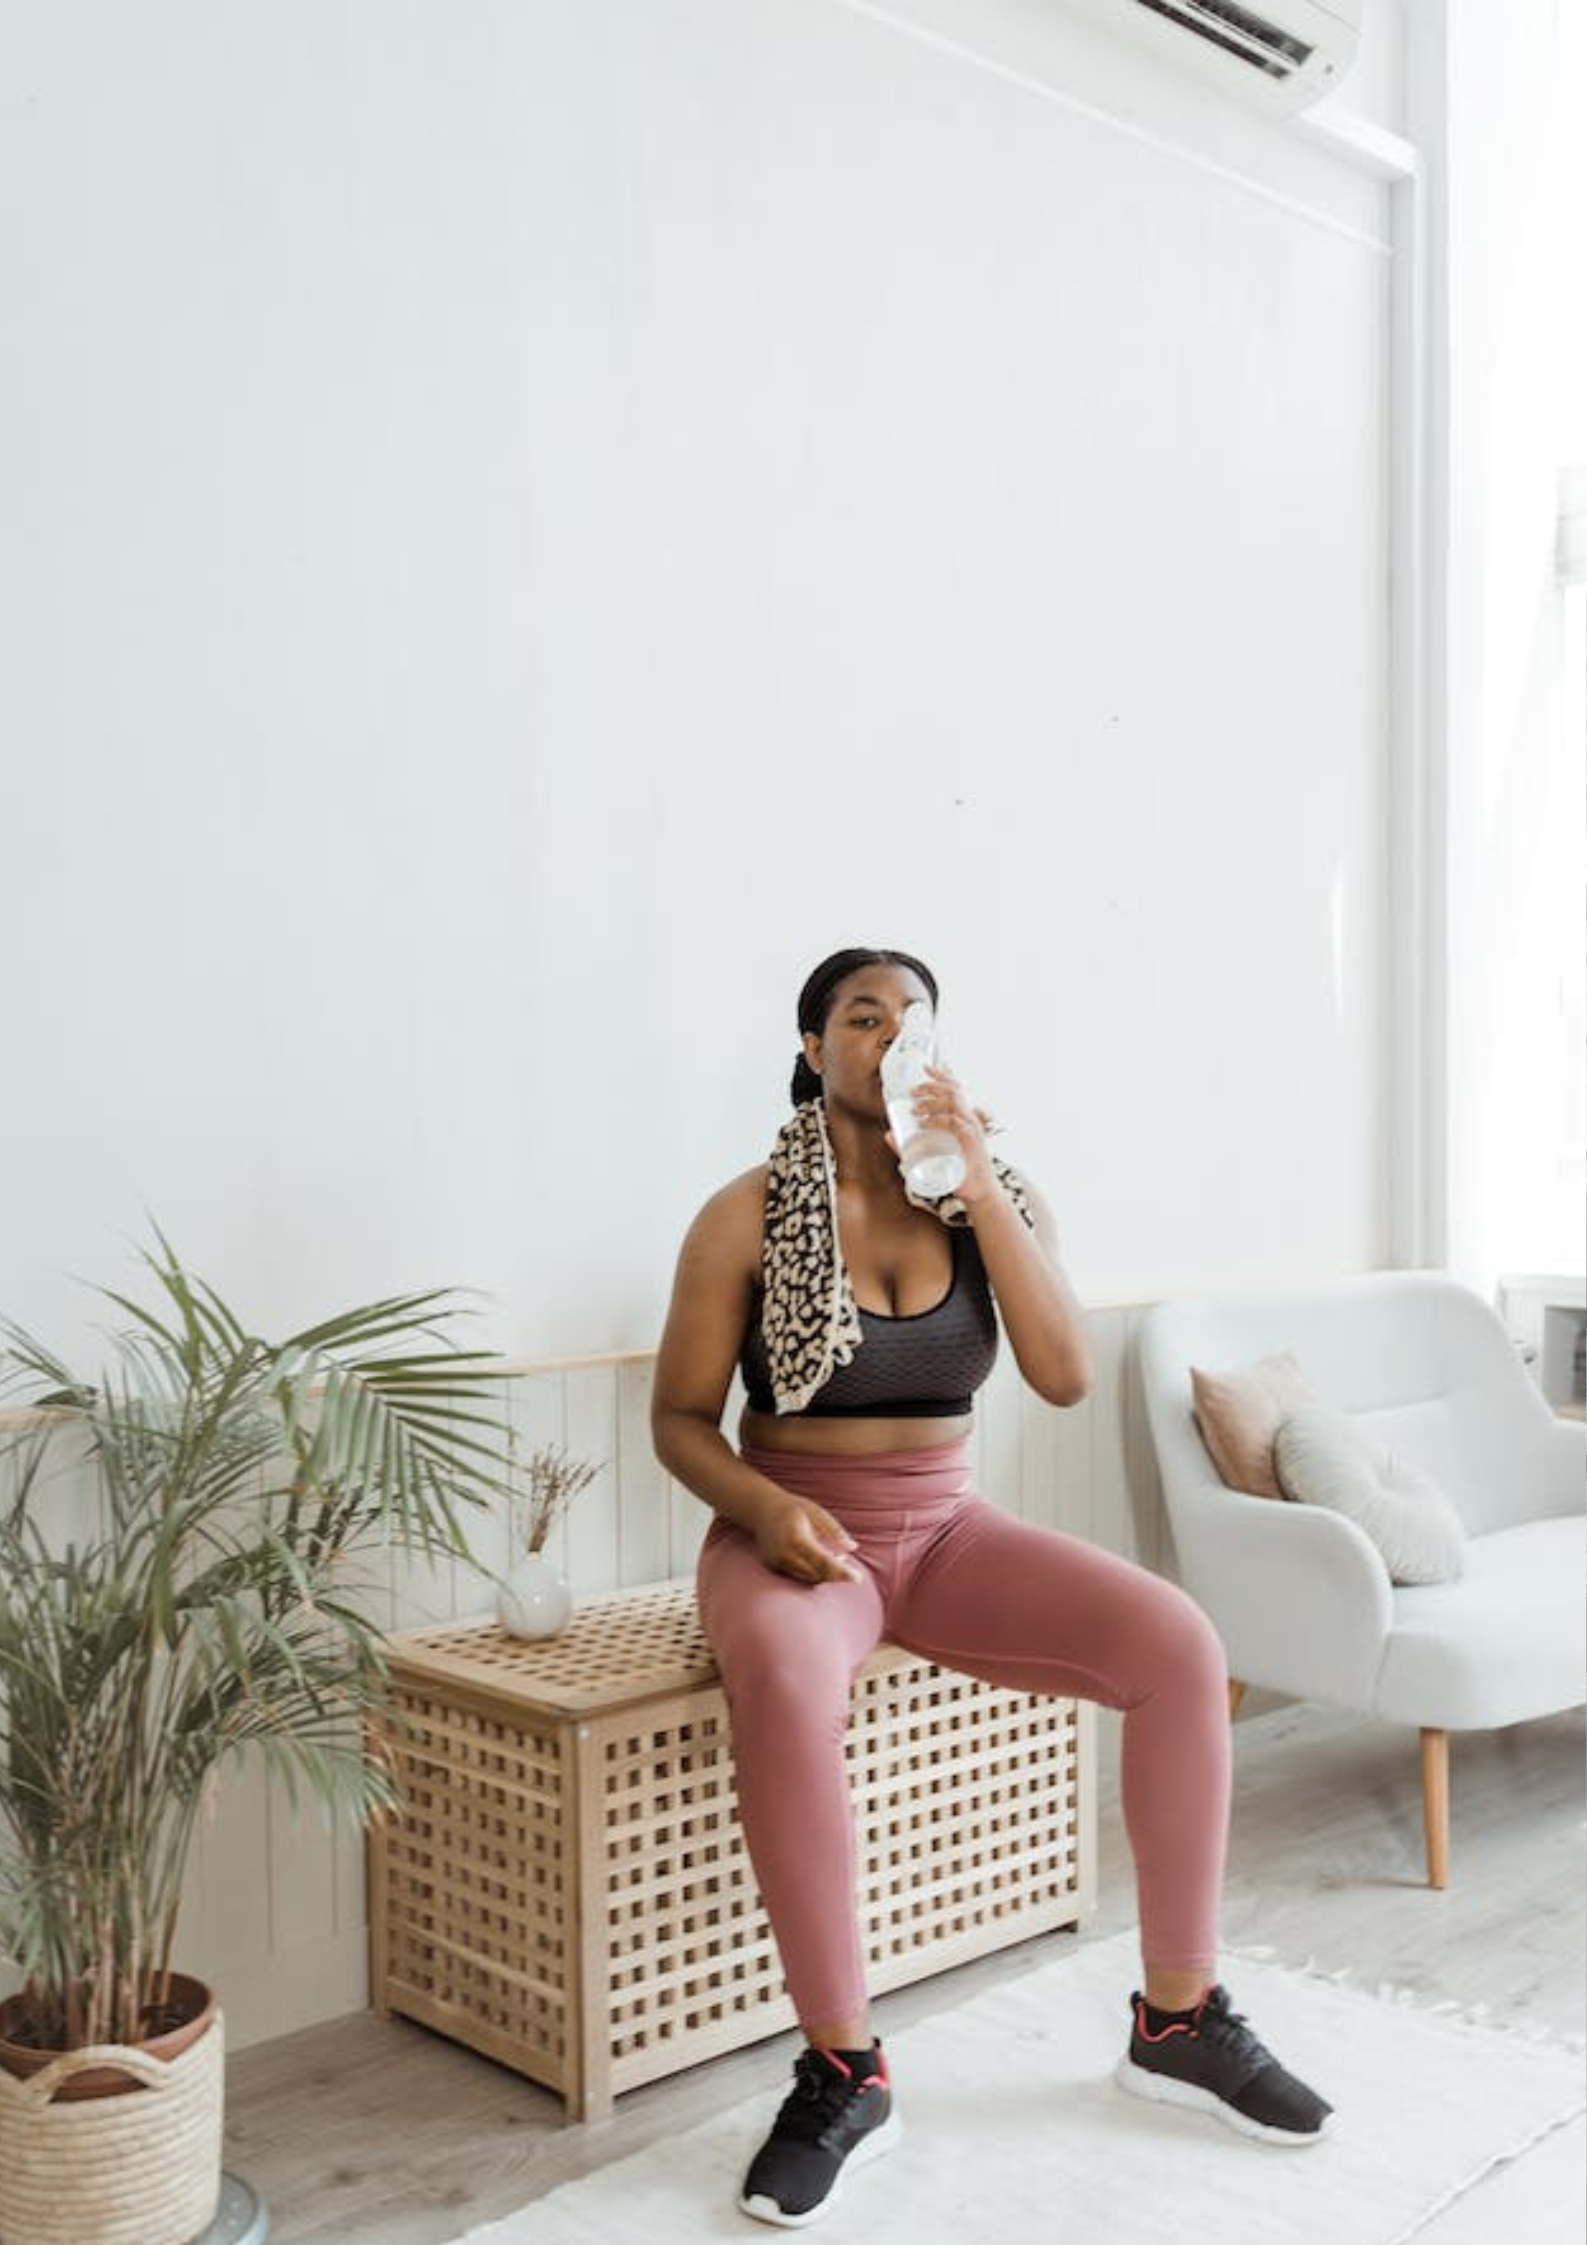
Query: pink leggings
[{"x": 950, "y": 1576}]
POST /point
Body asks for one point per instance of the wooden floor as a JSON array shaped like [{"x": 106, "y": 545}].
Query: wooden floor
[{"x": 371, "y": 2133}]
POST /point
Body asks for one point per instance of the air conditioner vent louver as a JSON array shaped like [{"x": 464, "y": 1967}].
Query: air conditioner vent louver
[
  {"x": 1276, "y": 55},
  {"x": 1263, "y": 45}
]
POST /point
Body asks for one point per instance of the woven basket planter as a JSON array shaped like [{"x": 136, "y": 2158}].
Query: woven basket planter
[{"x": 138, "y": 2169}]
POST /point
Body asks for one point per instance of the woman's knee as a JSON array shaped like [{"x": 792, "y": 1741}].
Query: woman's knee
[
  {"x": 1193, "y": 1647},
  {"x": 1181, "y": 1652},
  {"x": 786, "y": 1688}
]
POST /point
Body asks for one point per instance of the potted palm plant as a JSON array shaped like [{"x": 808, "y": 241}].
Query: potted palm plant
[{"x": 189, "y": 1541}]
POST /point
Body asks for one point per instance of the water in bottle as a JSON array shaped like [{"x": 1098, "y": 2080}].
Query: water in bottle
[{"x": 931, "y": 1159}]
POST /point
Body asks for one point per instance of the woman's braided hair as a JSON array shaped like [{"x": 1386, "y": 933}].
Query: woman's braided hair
[{"x": 815, "y": 1002}]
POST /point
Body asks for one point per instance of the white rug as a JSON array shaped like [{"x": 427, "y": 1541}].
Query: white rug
[{"x": 1015, "y": 2132}]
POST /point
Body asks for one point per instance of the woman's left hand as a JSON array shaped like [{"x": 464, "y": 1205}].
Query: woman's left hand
[{"x": 941, "y": 1104}]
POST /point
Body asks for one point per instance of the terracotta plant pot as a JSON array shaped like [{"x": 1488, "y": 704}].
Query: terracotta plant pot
[{"x": 193, "y": 2003}]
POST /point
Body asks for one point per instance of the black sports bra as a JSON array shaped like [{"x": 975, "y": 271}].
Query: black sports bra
[{"x": 926, "y": 1366}]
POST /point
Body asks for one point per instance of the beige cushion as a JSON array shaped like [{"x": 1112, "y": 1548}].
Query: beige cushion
[
  {"x": 1239, "y": 1413},
  {"x": 1324, "y": 1459}
]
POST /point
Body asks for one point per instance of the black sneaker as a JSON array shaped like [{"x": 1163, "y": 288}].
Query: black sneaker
[
  {"x": 1208, "y": 2058},
  {"x": 835, "y": 2117}
]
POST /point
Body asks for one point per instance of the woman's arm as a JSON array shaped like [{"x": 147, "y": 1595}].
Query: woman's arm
[
  {"x": 713, "y": 1297},
  {"x": 1044, "y": 1322}
]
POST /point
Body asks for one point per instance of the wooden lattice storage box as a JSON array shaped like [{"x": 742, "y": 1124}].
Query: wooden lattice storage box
[{"x": 567, "y": 1889}]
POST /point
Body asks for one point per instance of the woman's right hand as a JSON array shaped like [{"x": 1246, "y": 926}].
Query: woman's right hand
[{"x": 798, "y": 1537}]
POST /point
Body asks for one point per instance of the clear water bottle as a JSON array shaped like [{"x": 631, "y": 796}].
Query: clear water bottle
[{"x": 932, "y": 1160}]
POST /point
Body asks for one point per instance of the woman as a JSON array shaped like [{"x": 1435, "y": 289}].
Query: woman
[{"x": 864, "y": 1322}]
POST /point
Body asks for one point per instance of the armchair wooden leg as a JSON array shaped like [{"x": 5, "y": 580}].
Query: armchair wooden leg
[
  {"x": 1236, "y": 1694},
  {"x": 1435, "y": 1805}
]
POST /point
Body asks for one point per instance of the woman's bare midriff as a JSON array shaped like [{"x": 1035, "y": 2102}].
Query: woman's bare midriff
[{"x": 846, "y": 1438}]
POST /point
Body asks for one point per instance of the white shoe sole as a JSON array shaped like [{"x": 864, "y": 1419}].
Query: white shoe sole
[
  {"x": 880, "y": 2140},
  {"x": 1162, "y": 2089}
]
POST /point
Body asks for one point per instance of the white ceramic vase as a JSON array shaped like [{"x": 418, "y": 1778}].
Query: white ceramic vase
[{"x": 535, "y": 1600}]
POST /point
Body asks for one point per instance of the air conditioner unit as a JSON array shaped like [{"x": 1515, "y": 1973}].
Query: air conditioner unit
[{"x": 1280, "y": 53}]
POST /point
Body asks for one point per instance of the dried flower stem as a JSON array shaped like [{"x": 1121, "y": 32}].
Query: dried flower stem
[{"x": 554, "y": 1480}]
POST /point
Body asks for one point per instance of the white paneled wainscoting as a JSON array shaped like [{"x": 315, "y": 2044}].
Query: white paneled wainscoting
[{"x": 277, "y": 1914}]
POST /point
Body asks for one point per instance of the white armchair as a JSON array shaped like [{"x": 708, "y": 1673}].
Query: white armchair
[{"x": 1302, "y": 1599}]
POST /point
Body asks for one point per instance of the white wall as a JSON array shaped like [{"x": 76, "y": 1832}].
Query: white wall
[
  {"x": 1511, "y": 89},
  {"x": 526, "y": 524}
]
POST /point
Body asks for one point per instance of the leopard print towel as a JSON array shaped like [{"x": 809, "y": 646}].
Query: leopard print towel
[{"x": 809, "y": 1320}]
